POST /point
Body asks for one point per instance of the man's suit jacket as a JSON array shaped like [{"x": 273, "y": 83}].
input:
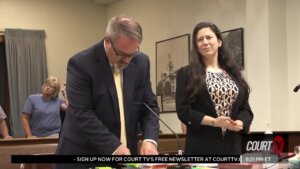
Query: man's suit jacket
[
  {"x": 92, "y": 122},
  {"x": 208, "y": 140}
]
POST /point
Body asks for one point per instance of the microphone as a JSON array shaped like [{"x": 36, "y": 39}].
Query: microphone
[
  {"x": 297, "y": 88},
  {"x": 179, "y": 150}
]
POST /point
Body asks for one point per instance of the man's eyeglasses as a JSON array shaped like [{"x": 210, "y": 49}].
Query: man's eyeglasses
[{"x": 123, "y": 54}]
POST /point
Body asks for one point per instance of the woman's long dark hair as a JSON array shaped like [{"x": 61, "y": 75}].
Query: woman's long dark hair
[{"x": 198, "y": 67}]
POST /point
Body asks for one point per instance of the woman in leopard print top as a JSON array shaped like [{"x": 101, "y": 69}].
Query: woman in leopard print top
[{"x": 212, "y": 97}]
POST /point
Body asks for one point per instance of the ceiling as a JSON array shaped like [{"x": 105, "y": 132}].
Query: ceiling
[
  {"x": 104, "y": 2},
  {"x": 100, "y": 2}
]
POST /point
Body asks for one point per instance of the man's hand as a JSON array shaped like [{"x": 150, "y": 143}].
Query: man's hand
[
  {"x": 122, "y": 150},
  {"x": 148, "y": 148}
]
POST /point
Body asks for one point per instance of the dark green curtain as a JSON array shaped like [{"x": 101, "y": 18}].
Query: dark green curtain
[
  {"x": 26, "y": 68},
  {"x": 2, "y": 72}
]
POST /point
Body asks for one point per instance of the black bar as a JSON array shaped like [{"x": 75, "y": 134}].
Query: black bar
[{"x": 122, "y": 159}]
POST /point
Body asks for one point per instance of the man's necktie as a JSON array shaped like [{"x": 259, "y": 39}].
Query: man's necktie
[{"x": 119, "y": 88}]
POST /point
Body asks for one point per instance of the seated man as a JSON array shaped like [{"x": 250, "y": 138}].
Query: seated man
[
  {"x": 294, "y": 162},
  {"x": 3, "y": 126}
]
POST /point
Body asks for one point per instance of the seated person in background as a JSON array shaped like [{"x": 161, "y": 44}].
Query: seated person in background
[
  {"x": 294, "y": 162},
  {"x": 3, "y": 126},
  {"x": 40, "y": 116},
  {"x": 64, "y": 104}
]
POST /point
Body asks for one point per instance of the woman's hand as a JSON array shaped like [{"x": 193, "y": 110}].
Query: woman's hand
[{"x": 228, "y": 123}]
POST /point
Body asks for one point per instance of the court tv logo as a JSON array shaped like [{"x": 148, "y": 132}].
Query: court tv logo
[
  {"x": 261, "y": 148},
  {"x": 276, "y": 145}
]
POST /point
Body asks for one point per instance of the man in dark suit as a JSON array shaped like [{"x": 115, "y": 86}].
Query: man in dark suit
[{"x": 92, "y": 124}]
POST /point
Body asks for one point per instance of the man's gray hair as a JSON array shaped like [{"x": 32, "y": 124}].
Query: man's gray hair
[{"x": 126, "y": 26}]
